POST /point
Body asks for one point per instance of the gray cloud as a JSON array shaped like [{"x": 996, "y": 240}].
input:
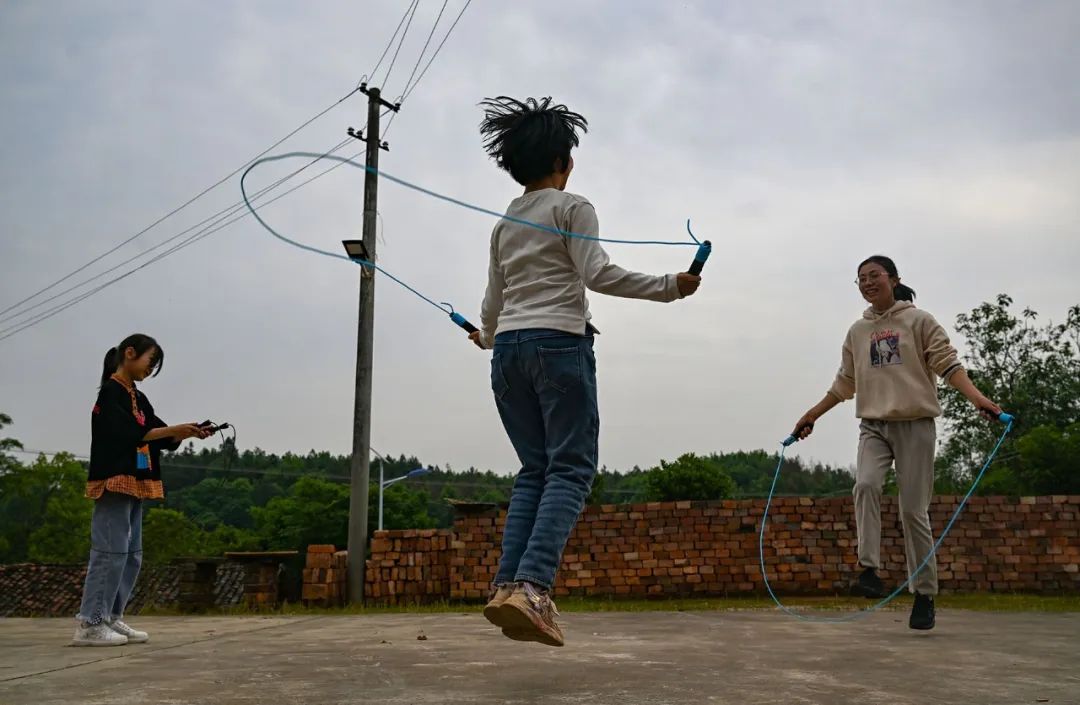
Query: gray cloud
[{"x": 799, "y": 138}]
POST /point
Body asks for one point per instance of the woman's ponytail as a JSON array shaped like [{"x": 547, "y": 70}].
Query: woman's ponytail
[
  {"x": 110, "y": 365},
  {"x": 903, "y": 292}
]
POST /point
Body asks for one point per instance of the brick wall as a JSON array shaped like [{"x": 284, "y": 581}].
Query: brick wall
[
  {"x": 710, "y": 548},
  {"x": 324, "y": 576},
  {"x": 409, "y": 567}
]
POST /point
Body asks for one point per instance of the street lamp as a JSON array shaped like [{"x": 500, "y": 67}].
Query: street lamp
[
  {"x": 417, "y": 472},
  {"x": 355, "y": 250}
]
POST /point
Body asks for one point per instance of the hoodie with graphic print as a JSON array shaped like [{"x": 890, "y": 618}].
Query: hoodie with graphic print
[{"x": 889, "y": 362}]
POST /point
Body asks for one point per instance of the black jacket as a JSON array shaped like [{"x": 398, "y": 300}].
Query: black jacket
[{"x": 115, "y": 435}]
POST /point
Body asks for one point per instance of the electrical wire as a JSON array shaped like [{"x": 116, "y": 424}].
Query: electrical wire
[{"x": 181, "y": 207}]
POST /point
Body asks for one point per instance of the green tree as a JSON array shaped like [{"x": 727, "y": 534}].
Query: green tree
[
  {"x": 169, "y": 534},
  {"x": 7, "y": 444},
  {"x": 753, "y": 473},
  {"x": 43, "y": 514},
  {"x": 229, "y": 538},
  {"x": 689, "y": 477},
  {"x": 8, "y": 467},
  {"x": 597, "y": 491},
  {"x": 62, "y": 533},
  {"x": 313, "y": 511},
  {"x": 1031, "y": 370},
  {"x": 264, "y": 490},
  {"x": 1048, "y": 460},
  {"x": 404, "y": 507},
  {"x": 215, "y": 501}
]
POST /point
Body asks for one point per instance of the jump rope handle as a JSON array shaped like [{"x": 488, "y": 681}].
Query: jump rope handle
[
  {"x": 794, "y": 438},
  {"x": 703, "y": 252},
  {"x": 463, "y": 322},
  {"x": 1006, "y": 418}
]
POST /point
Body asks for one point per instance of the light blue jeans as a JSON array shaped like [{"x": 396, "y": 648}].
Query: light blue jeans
[
  {"x": 115, "y": 557},
  {"x": 545, "y": 389}
]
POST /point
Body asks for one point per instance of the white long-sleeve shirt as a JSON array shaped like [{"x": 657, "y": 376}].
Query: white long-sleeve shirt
[{"x": 537, "y": 279}]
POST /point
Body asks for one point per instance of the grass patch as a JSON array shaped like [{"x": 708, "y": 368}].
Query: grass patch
[
  {"x": 980, "y": 602},
  {"x": 1005, "y": 602}
]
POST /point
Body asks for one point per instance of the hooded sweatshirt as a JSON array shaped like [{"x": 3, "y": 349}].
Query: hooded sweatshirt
[{"x": 889, "y": 362}]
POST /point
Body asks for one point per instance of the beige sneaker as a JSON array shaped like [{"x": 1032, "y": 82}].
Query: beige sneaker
[
  {"x": 528, "y": 614},
  {"x": 496, "y": 596}
]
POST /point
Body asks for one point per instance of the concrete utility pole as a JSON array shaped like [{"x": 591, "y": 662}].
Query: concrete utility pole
[{"x": 361, "y": 447}]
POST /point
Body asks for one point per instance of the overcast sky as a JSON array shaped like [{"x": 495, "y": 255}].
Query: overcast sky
[{"x": 800, "y": 137}]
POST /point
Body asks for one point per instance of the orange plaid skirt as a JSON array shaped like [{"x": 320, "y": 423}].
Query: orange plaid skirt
[{"x": 126, "y": 484}]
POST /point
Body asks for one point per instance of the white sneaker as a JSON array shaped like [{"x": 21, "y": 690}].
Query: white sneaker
[
  {"x": 134, "y": 636},
  {"x": 97, "y": 635}
]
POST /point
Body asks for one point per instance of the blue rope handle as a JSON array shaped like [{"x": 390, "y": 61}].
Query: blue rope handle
[{"x": 1007, "y": 419}]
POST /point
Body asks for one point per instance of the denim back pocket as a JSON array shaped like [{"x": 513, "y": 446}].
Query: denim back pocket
[
  {"x": 561, "y": 367},
  {"x": 499, "y": 385}
]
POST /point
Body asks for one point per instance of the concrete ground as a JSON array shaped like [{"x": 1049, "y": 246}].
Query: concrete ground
[{"x": 625, "y": 658}]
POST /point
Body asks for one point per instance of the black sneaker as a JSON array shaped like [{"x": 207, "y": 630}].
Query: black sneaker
[
  {"x": 869, "y": 585},
  {"x": 922, "y": 613}
]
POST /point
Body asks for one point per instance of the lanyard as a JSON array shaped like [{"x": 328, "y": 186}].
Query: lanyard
[{"x": 140, "y": 417}]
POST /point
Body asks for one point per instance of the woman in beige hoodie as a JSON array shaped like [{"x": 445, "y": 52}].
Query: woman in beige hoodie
[{"x": 891, "y": 357}]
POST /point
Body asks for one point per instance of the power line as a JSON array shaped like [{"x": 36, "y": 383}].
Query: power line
[
  {"x": 31, "y": 451},
  {"x": 437, "y": 50},
  {"x": 213, "y": 186},
  {"x": 182, "y": 206},
  {"x": 281, "y": 472},
  {"x": 410, "y": 88},
  {"x": 12, "y": 330},
  {"x": 209, "y": 468},
  {"x": 426, "y": 44},
  {"x": 422, "y": 482},
  {"x": 220, "y": 215},
  {"x": 8, "y": 332},
  {"x": 420, "y": 58},
  {"x": 388, "y": 45},
  {"x": 428, "y": 481},
  {"x": 415, "y": 5}
]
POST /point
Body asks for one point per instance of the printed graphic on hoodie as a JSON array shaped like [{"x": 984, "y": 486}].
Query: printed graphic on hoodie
[{"x": 885, "y": 348}]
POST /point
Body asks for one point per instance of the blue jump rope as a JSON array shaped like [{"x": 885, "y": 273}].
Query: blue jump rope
[
  {"x": 704, "y": 249},
  {"x": 1004, "y": 418}
]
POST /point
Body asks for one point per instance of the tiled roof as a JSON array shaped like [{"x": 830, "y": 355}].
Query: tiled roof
[{"x": 30, "y": 590}]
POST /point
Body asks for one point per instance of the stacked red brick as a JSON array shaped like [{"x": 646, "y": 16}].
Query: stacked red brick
[
  {"x": 474, "y": 559},
  {"x": 711, "y": 548},
  {"x": 409, "y": 567},
  {"x": 324, "y": 576}
]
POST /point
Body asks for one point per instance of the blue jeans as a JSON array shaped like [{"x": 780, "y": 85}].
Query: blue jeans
[
  {"x": 115, "y": 557},
  {"x": 545, "y": 389}
]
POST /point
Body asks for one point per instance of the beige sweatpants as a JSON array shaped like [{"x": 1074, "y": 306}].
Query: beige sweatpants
[{"x": 910, "y": 445}]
